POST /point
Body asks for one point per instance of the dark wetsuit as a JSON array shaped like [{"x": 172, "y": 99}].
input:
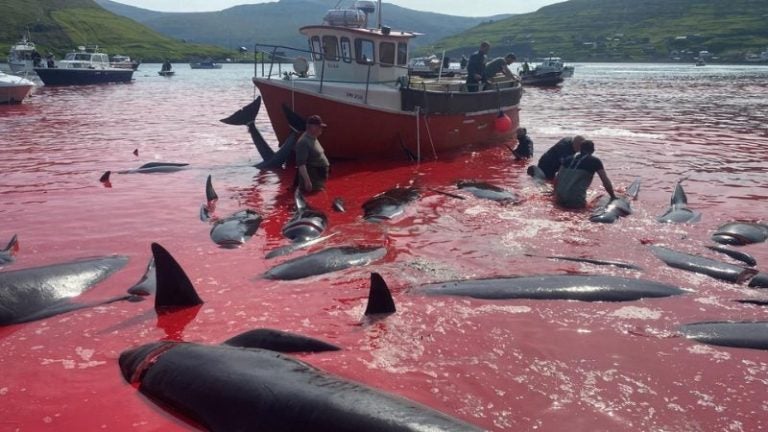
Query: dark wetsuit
[
  {"x": 476, "y": 65},
  {"x": 551, "y": 160},
  {"x": 574, "y": 179},
  {"x": 309, "y": 152},
  {"x": 524, "y": 149}
]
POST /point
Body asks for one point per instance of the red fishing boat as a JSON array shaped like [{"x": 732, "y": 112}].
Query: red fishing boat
[{"x": 356, "y": 78}]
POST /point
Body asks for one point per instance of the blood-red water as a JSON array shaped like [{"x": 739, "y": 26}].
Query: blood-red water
[{"x": 502, "y": 365}]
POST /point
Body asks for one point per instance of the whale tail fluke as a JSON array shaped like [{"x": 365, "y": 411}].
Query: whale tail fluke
[
  {"x": 174, "y": 289},
  {"x": 380, "y": 300},
  {"x": 297, "y": 122},
  {"x": 678, "y": 196},
  {"x": 146, "y": 285},
  {"x": 244, "y": 115},
  {"x": 633, "y": 190}
]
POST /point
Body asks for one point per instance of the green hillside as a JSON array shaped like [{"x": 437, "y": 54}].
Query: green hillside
[
  {"x": 627, "y": 30},
  {"x": 61, "y": 25}
]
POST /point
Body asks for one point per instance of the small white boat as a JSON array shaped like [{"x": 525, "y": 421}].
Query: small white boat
[{"x": 14, "y": 89}]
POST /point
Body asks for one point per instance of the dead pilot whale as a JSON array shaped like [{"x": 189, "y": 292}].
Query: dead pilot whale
[
  {"x": 270, "y": 159},
  {"x": 41, "y": 292},
  {"x": 678, "y": 211},
  {"x": 148, "y": 168},
  {"x": 741, "y": 233},
  {"x": 609, "y": 211},
  {"x": 247, "y": 383},
  {"x": 736, "y": 334},
  {"x": 390, "y": 204}
]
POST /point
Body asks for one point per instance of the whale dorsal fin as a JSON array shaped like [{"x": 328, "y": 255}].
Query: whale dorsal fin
[
  {"x": 174, "y": 289},
  {"x": 13, "y": 246},
  {"x": 280, "y": 341},
  {"x": 379, "y": 297},
  {"x": 678, "y": 196},
  {"x": 210, "y": 193}
]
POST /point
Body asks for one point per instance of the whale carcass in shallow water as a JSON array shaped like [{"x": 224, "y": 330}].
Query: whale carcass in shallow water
[
  {"x": 737, "y": 334},
  {"x": 7, "y": 254},
  {"x": 41, "y": 292},
  {"x": 236, "y": 229},
  {"x": 148, "y": 168},
  {"x": 553, "y": 287},
  {"x": 678, "y": 211},
  {"x": 609, "y": 211},
  {"x": 703, "y": 265},
  {"x": 240, "y": 386},
  {"x": 306, "y": 223},
  {"x": 741, "y": 233},
  {"x": 389, "y": 205},
  {"x": 270, "y": 159},
  {"x": 325, "y": 261},
  {"x": 488, "y": 191}
]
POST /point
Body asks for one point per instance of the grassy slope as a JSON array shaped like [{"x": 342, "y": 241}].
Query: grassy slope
[
  {"x": 61, "y": 25},
  {"x": 627, "y": 29}
]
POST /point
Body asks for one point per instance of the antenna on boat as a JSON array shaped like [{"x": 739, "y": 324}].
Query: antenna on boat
[{"x": 379, "y": 15}]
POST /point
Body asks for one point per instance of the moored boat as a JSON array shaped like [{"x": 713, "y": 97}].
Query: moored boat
[
  {"x": 124, "y": 62},
  {"x": 84, "y": 66},
  {"x": 359, "y": 84},
  {"x": 23, "y": 56},
  {"x": 14, "y": 89},
  {"x": 205, "y": 64}
]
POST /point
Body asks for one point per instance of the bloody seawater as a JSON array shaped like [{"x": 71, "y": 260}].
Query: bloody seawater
[{"x": 503, "y": 365}]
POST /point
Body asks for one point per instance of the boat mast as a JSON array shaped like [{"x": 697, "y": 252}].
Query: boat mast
[{"x": 379, "y": 15}]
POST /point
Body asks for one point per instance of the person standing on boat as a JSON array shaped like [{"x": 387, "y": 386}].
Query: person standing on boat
[
  {"x": 524, "y": 149},
  {"x": 575, "y": 176},
  {"x": 166, "y": 66},
  {"x": 551, "y": 160},
  {"x": 312, "y": 165},
  {"x": 499, "y": 65},
  {"x": 476, "y": 68}
]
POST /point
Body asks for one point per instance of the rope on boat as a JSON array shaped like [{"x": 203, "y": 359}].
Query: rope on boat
[{"x": 418, "y": 136}]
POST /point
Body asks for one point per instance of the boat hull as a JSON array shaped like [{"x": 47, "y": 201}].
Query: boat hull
[
  {"x": 359, "y": 131},
  {"x": 14, "y": 94},
  {"x": 76, "y": 76},
  {"x": 545, "y": 79}
]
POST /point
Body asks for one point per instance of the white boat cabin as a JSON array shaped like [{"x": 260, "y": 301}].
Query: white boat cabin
[
  {"x": 343, "y": 49},
  {"x": 85, "y": 58}
]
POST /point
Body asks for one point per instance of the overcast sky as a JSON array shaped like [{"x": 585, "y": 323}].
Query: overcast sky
[{"x": 450, "y": 7}]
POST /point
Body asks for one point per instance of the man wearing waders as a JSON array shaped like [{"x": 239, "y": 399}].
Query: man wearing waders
[{"x": 576, "y": 174}]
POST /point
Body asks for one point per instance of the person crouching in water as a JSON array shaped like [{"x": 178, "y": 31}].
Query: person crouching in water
[
  {"x": 313, "y": 166},
  {"x": 576, "y": 174},
  {"x": 524, "y": 149}
]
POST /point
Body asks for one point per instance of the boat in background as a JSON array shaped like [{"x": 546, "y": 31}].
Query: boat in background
[
  {"x": 356, "y": 78},
  {"x": 124, "y": 62},
  {"x": 549, "y": 72},
  {"x": 23, "y": 56},
  {"x": 87, "y": 65},
  {"x": 14, "y": 89},
  {"x": 205, "y": 64}
]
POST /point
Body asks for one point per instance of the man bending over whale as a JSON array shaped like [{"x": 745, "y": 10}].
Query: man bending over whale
[
  {"x": 575, "y": 176},
  {"x": 311, "y": 162},
  {"x": 551, "y": 160}
]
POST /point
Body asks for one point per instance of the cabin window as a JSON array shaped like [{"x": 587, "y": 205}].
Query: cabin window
[
  {"x": 317, "y": 50},
  {"x": 387, "y": 53},
  {"x": 346, "y": 50},
  {"x": 331, "y": 48},
  {"x": 402, "y": 53},
  {"x": 364, "y": 52}
]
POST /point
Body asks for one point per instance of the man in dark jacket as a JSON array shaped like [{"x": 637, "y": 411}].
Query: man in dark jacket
[{"x": 476, "y": 68}]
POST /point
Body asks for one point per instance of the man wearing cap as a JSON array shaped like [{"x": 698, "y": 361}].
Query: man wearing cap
[
  {"x": 499, "y": 65},
  {"x": 310, "y": 157}
]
